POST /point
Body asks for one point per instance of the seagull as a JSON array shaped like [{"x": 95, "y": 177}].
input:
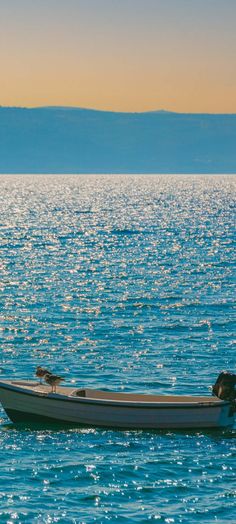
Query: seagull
[
  {"x": 53, "y": 380},
  {"x": 41, "y": 372}
]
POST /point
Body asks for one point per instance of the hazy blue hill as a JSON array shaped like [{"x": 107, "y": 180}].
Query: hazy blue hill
[{"x": 74, "y": 140}]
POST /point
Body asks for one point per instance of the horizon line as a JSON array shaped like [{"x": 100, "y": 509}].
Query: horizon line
[{"x": 79, "y": 108}]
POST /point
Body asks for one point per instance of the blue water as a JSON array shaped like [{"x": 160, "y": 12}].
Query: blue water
[{"x": 127, "y": 283}]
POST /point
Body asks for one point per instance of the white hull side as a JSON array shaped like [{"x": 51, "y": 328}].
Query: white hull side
[{"x": 87, "y": 412}]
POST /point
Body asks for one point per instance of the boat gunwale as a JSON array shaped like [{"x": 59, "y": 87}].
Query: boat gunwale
[{"x": 216, "y": 403}]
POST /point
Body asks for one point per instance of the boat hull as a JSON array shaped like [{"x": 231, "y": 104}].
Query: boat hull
[{"x": 28, "y": 406}]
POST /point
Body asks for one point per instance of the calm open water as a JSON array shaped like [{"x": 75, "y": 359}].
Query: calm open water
[{"x": 127, "y": 283}]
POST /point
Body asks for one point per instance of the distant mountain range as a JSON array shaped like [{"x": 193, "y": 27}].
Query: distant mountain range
[{"x": 73, "y": 140}]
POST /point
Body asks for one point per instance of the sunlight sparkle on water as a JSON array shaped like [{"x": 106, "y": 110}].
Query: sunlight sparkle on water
[{"x": 127, "y": 283}]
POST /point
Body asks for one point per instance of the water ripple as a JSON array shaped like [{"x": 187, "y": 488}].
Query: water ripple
[{"x": 127, "y": 283}]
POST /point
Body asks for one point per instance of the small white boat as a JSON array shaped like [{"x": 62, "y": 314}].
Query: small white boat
[{"x": 29, "y": 401}]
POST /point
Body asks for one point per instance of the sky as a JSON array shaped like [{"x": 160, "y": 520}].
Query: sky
[{"x": 119, "y": 55}]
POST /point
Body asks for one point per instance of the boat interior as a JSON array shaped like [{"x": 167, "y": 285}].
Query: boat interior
[
  {"x": 110, "y": 395},
  {"x": 137, "y": 397}
]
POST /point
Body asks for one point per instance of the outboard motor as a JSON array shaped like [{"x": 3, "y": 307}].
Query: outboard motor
[{"x": 224, "y": 388}]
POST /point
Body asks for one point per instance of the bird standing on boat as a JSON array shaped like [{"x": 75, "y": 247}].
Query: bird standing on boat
[
  {"x": 53, "y": 380},
  {"x": 41, "y": 372}
]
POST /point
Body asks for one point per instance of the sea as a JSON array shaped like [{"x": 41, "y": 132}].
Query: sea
[{"x": 121, "y": 282}]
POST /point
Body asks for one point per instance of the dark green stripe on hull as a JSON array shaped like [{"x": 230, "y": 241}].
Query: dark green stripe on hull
[{"x": 22, "y": 417}]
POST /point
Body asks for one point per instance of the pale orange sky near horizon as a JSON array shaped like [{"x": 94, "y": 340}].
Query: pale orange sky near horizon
[{"x": 126, "y": 55}]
